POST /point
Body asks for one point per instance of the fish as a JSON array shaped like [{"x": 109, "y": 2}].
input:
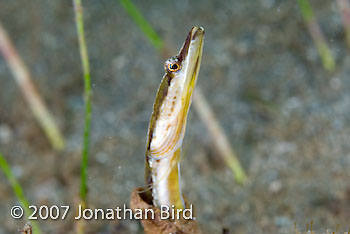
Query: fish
[{"x": 167, "y": 125}]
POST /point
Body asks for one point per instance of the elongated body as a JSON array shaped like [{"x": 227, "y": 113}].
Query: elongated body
[{"x": 168, "y": 122}]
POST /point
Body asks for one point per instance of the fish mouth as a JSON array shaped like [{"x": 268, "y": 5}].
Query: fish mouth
[
  {"x": 190, "y": 58},
  {"x": 195, "y": 34}
]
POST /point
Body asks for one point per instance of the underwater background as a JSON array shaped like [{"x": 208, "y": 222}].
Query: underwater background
[{"x": 286, "y": 115}]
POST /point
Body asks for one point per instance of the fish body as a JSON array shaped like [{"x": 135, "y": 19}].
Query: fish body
[{"x": 168, "y": 123}]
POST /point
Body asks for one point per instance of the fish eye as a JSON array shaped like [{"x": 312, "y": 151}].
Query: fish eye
[{"x": 173, "y": 66}]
